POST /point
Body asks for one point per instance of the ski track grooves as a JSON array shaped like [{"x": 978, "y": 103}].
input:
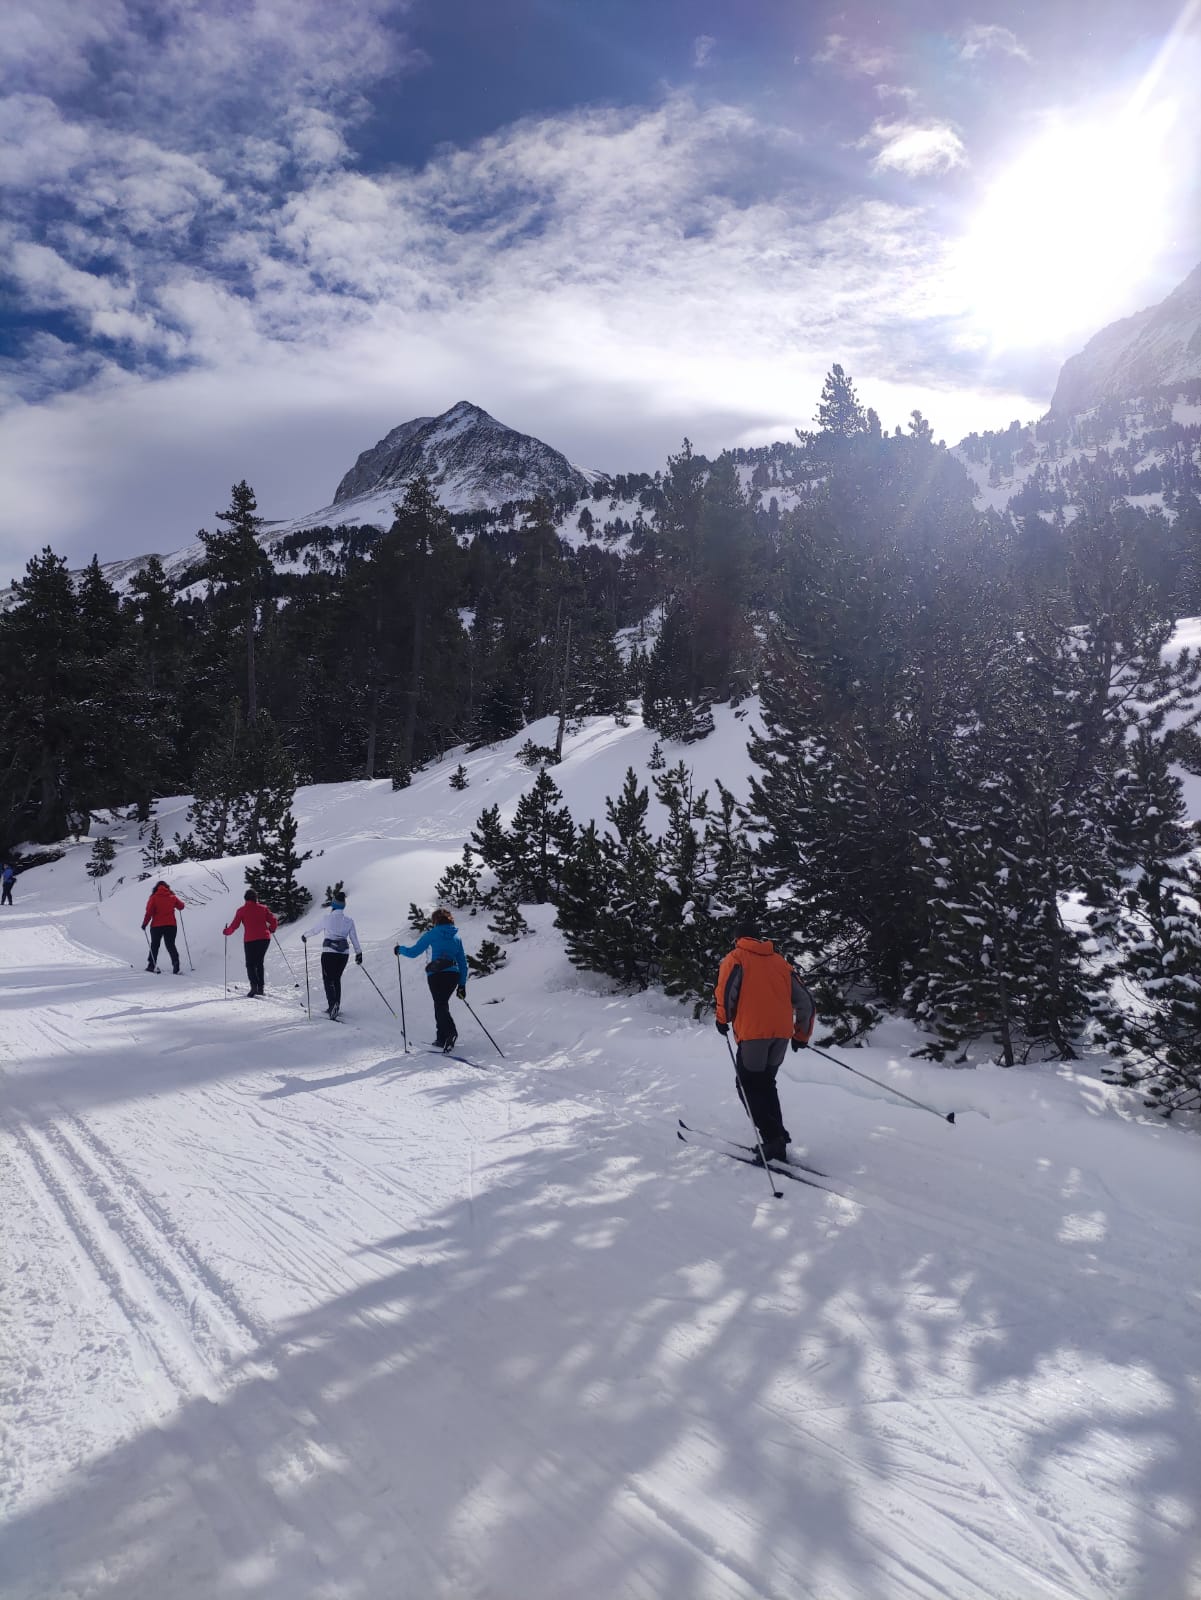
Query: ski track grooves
[{"x": 184, "y": 1319}]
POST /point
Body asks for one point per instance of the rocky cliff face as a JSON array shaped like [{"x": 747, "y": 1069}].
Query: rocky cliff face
[
  {"x": 1154, "y": 348},
  {"x": 472, "y": 461}
]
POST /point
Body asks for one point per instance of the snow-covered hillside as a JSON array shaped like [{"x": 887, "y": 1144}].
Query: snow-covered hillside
[
  {"x": 302, "y": 1316},
  {"x": 1157, "y": 347}
]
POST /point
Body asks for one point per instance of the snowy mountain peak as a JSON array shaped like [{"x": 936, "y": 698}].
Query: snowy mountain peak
[
  {"x": 472, "y": 460},
  {"x": 1155, "y": 348}
]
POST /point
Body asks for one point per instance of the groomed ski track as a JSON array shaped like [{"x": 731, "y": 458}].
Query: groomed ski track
[{"x": 290, "y": 1315}]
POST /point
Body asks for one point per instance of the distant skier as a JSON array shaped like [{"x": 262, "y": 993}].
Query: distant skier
[
  {"x": 160, "y": 914},
  {"x": 339, "y": 934},
  {"x": 760, "y": 995},
  {"x": 259, "y": 924},
  {"x": 7, "y": 878},
  {"x": 445, "y": 971}
]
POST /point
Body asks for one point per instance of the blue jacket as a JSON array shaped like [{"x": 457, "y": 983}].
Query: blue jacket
[{"x": 443, "y": 943}]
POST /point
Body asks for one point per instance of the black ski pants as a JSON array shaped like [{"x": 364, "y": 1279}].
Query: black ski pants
[
  {"x": 442, "y": 986},
  {"x": 256, "y": 954},
  {"x": 164, "y": 936},
  {"x": 756, "y": 1065},
  {"x": 332, "y": 968},
  {"x": 6, "y": 899}
]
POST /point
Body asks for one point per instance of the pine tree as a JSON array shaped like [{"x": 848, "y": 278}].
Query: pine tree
[
  {"x": 1152, "y": 1017},
  {"x": 236, "y": 562},
  {"x": 583, "y": 907},
  {"x": 489, "y": 840},
  {"x": 152, "y": 850},
  {"x": 458, "y": 778},
  {"x": 839, "y": 412},
  {"x": 488, "y": 958},
  {"x": 541, "y": 838},
  {"x": 100, "y": 862},
  {"x": 274, "y": 879},
  {"x": 506, "y": 920},
  {"x": 459, "y": 885},
  {"x": 606, "y": 905}
]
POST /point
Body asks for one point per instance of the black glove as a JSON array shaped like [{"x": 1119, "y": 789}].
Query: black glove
[
  {"x": 358, "y": 960},
  {"x": 799, "y": 1044},
  {"x": 723, "y": 1028},
  {"x": 461, "y": 991},
  {"x": 396, "y": 950},
  {"x": 304, "y": 938}
]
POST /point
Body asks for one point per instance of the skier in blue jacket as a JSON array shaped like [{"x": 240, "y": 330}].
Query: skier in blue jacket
[{"x": 445, "y": 971}]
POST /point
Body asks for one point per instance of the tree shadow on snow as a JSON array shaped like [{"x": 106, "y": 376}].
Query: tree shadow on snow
[{"x": 613, "y": 1368}]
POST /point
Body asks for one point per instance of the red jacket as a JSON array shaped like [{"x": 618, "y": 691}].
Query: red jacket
[
  {"x": 161, "y": 909},
  {"x": 256, "y": 919}
]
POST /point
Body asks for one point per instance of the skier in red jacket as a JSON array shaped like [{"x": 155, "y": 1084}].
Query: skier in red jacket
[
  {"x": 160, "y": 914},
  {"x": 259, "y": 924}
]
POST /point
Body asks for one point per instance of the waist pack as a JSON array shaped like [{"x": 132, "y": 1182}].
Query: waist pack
[
  {"x": 338, "y": 947},
  {"x": 441, "y": 964}
]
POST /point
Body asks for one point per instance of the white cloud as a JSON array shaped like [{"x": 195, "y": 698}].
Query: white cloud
[
  {"x": 253, "y": 306},
  {"x": 920, "y": 150},
  {"x": 855, "y": 57},
  {"x": 702, "y": 49},
  {"x": 897, "y": 91},
  {"x": 981, "y": 38}
]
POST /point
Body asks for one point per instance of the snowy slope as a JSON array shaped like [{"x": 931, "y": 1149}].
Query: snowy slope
[{"x": 301, "y": 1317}]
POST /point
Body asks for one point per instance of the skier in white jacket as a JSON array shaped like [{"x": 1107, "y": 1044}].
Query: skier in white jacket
[{"x": 339, "y": 934}]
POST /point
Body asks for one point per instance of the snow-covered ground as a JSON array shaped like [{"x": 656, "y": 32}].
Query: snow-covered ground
[{"x": 292, "y": 1315}]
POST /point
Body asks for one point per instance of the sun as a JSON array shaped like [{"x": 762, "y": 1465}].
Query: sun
[{"x": 1066, "y": 233}]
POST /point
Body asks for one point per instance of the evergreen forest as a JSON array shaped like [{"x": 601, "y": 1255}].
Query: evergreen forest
[{"x": 967, "y": 744}]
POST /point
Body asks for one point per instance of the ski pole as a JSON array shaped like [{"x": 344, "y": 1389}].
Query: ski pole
[
  {"x": 487, "y": 1035},
  {"x": 149, "y": 946},
  {"x": 404, "y": 1032},
  {"x": 308, "y": 994},
  {"x": 287, "y": 963},
  {"x": 947, "y": 1116},
  {"x": 777, "y": 1194},
  {"x": 183, "y": 929},
  {"x": 225, "y": 942},
  {"x": 376, "y": 987}
]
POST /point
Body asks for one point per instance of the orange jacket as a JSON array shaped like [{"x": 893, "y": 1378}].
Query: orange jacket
[
  {"x": 759, "y": 993},
  {"x": 161, "y": 909}
]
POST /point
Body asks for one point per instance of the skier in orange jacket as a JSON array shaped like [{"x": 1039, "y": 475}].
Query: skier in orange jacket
[{"x": 761, "y": 997}]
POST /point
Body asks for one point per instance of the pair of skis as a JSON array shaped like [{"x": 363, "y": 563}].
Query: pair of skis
[{"x": 717, "y": 1144}]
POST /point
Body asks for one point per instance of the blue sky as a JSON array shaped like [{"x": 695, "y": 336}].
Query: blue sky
[{"x": 245, "y": 238}]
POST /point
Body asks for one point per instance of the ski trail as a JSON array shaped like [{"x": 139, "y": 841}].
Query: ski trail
[{"x": 1056, "y": 1555}]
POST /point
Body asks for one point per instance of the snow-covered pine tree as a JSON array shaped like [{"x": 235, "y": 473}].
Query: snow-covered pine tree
[
  {"x": 487, "y": 959},
  {"x": 458, "y": 778},
  {"x": 1150, "y": 924},
  {"x": 489, "y": 840},
  {"x": 540, "y": 840},
  {"x": 153, "y": 849},
  {"x": 274, "y": 880},
  {"x": 582, "y": 909},
  {"x": 459, "y": 885},
  {"x": 683, "y": 887},
  {"x": 100, "y": 862},
  {"x": 607, "y": 902},
  {"x": 506, "y": 920}
]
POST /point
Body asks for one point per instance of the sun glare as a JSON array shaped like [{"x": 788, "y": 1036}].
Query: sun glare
[{"x": 1067, "y": 231}]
